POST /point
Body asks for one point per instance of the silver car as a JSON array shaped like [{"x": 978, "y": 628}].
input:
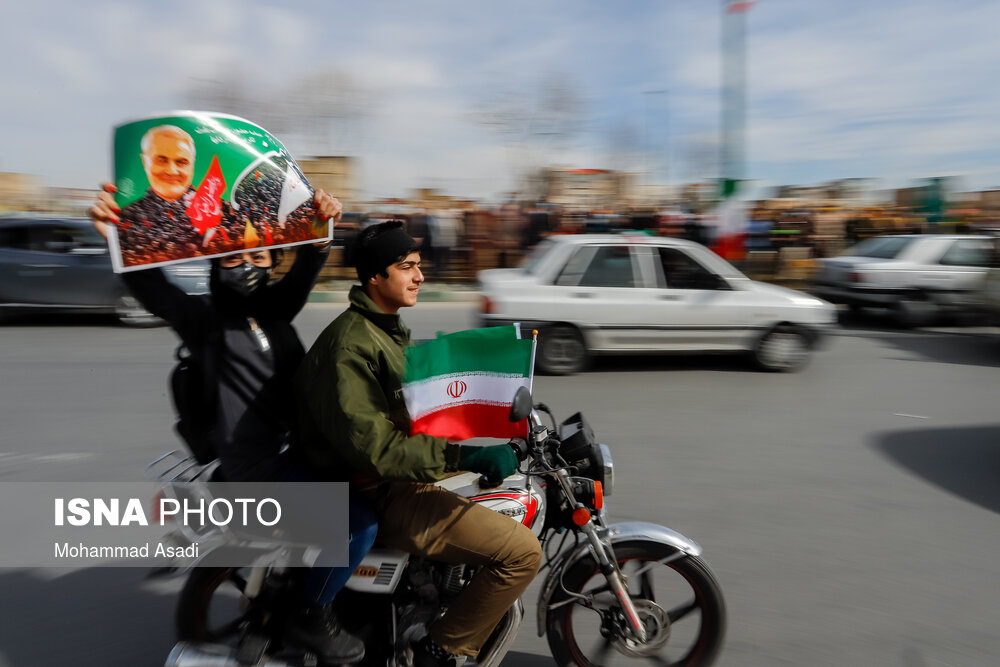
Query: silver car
[
  {"x": 615, "y": 294},
  {"x": 63, "y": 264},
  {"x": 916, "y": 276}
]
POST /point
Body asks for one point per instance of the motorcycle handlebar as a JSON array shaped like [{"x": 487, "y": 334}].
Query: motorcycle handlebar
[{"x": 486, "y": 482}]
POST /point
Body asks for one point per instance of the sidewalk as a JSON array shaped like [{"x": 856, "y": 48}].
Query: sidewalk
[{"x": 335, "y": 291}]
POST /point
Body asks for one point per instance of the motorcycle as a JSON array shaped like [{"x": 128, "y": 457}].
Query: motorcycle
[{"x": 612, "y": 592}]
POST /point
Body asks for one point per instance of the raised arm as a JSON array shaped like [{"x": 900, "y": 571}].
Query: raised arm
[
  {"x": 150, "y": 286},
  {"x": 288, "y": 295}
]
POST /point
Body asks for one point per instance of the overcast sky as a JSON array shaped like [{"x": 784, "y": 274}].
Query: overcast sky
[{"x": 892, "y": 89}]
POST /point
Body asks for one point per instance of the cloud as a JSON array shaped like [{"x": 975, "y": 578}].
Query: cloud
[{"x": 852, "y": 88}]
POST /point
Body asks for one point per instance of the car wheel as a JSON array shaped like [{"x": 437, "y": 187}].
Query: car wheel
[
  {"x": 561, "y": 350},
  {"x": 909, "y": 313},
  {"x": 783, "y": 348},
  {"x": 130, "y": 312}
]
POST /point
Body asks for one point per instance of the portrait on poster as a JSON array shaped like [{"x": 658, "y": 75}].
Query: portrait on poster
[{"x": 195, "y": 184}]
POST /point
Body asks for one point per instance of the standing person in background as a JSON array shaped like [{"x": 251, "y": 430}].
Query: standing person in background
[
  {"x": 539, "y": 227},
  {"x": 444, "y": 238}
]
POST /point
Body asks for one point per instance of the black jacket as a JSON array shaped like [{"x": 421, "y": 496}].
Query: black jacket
[{"x": 256, "y": 352}]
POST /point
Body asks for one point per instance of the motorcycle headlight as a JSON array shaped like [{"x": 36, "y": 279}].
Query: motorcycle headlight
[
  {"x": 580, "y": 449},
  {"x": 608, "y": 470}
]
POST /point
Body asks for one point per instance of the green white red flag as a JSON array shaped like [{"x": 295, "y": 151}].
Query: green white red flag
[
  {"x": 730, "y": 221},
  {"x": 460, "y": 386}
]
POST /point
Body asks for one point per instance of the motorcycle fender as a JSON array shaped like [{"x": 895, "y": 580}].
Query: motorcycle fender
[{"x": 616, "y": 533}]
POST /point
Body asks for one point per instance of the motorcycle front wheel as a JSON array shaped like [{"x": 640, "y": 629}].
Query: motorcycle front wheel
[{"x": 678, "y": 601}]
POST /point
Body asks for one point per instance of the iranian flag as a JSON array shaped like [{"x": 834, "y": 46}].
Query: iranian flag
[
  {"x": 460, "y": 386},
  {"x": 730, "y": 221}
]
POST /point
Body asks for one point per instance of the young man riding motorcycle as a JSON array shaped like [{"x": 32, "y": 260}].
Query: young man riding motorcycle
[
  {"x": 354, "y": 426},
  {"x": 246, "y": 327}
]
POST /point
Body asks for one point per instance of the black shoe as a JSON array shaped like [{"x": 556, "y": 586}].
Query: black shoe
[
  {"x": 316, "y": 629},
  {"x": 427, "y": 653}
]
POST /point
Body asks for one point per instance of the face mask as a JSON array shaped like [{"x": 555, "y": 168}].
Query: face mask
[{"x": 244, "y": 279}]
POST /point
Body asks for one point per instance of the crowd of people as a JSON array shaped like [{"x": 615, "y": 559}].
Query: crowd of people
[
  {"x": 257, "y": 197},
  {"x": 499, "y": 237}
]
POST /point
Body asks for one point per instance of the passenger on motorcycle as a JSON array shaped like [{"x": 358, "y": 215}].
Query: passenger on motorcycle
[
  {"x": 354, "y": 426},
  {"x": 246, "y": 326}
]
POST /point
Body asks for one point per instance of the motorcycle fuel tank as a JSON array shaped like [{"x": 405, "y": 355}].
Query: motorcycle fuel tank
[{"x": 520, "y": 497}]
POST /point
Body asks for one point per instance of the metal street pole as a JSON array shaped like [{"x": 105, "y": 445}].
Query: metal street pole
[
  {"x": 647, "y": 139},
  {"x": 733, "y": 92}
]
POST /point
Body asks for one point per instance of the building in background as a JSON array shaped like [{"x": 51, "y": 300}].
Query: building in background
[
  {"x": 431, "y": 198},
  {"x": 21, "y": 192},
  {"x": 586, "y": 189},
  {"x": 337, "y": 174}
]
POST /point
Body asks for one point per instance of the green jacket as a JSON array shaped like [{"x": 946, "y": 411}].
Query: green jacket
[{"x": 352, "y": 417}]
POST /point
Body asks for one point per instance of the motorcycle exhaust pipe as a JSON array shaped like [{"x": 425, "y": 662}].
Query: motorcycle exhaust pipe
[{"x": 191, "y": 654}]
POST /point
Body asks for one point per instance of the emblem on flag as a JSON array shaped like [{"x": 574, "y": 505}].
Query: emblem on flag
[{"x": 461, "y": 385}]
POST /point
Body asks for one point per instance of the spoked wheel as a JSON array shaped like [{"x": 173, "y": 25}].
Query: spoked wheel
[
  {"x": 678, "y": 602},
  {"x": 210, "y": 607}
]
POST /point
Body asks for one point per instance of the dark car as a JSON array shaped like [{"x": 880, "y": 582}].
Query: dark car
[{"x": 63, "y": 264}]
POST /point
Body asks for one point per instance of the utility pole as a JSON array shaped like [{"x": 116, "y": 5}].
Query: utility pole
[
  {"x": 730, "y": 216},
  {"x": 733, "y": 93},
  {"x": 647, "y": 139}
]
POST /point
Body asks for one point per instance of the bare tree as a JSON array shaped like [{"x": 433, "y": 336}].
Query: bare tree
[
  {"x": 623, "y": 150},
  {"x": 535, "y": 126},
  {"x": 700, "y": 158},
  {"x": 321, "y": 113}
]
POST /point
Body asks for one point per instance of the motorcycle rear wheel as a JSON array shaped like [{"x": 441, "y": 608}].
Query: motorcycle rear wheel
[
  {"x": 684, "y": 591},
  {"x": 208, "y": 609}
]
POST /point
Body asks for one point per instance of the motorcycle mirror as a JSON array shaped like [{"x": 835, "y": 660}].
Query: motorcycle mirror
[{"x": 521, "y": 406}]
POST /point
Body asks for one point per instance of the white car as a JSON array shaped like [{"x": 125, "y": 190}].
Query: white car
[
  {"x": 986, "y": 298},
  {"x": 917, "y": 276},
  {"x": 613, "y": 294}
]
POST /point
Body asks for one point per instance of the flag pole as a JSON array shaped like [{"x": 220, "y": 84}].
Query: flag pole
[{"x": 531, "y": 368}]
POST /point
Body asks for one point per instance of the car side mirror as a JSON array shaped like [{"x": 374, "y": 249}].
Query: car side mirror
[{"x": 521, "y": 406}]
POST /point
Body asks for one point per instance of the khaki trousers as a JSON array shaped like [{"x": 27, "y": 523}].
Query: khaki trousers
[{"x": 430, "y": 521}]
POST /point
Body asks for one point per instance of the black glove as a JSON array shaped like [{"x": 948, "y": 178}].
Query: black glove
[{"x": 495, "y": 462}]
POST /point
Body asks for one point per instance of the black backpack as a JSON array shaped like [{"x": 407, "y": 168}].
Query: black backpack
[{"x": 194, "y": 391}]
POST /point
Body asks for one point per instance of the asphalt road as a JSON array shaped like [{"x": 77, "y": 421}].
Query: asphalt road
[{"x": 850, "y": 511}]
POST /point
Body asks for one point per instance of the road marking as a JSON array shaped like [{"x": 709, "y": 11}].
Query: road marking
[
  {"x": 43, "y": 458},
  {"x": 903, "y": 414}
]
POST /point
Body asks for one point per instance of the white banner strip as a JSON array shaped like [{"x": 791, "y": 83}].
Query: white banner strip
[{"x": 423, "y": 398}]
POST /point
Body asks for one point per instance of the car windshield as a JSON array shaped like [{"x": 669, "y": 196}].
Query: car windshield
[
  {"x": 532, "y": 261},
  {"x": 881, "y": 247}
]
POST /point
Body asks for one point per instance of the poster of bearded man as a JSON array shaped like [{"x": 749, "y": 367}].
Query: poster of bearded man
[{"x": 195, "y": 184}]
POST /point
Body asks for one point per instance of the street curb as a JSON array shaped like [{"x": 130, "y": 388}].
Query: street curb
[
  {"x": 458, "y": 296},
  {"x": 339, "y": 292}
]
